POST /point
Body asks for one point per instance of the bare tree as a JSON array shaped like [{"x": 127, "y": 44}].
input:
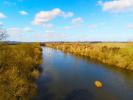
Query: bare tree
[{"x": 3, "y": 34}]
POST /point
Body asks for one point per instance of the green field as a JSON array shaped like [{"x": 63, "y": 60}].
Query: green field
[{"x": 115, "y": 54}]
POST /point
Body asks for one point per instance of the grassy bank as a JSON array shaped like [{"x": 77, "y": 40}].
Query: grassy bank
[
  {"x": 116, "y": 54},
  {"x": 19, "y": 66}
]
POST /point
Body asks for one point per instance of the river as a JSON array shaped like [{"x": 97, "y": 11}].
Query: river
[{"x": 67, "y": 77}]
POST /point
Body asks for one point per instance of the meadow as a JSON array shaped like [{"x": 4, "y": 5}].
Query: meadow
[
  {"x": 19, "y": 68},
  {"x": 114, "y": 54}
]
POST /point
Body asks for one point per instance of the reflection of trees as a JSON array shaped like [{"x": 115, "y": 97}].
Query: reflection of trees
[{"x": 81, "y": 94}]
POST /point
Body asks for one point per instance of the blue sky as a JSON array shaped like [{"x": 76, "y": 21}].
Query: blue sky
[{"x": 67, "y": 20}]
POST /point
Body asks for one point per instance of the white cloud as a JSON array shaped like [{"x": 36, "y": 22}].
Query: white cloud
[
  {"x": 117, "y": 5},
  {"x": 130, "y": 26},
  {"x": 78, "y": 20},
  {"x": 23, "y": 13},
  {"x": 46, "y": 16},
  {"x": 1, "y": 24},
  {"x": 27, "y": 29},
  {"x": 48, "y": 26},
  {"x": 17, "y": 30},
  {"x": 14, "y": 30},
  {"x": 2, "y": 15},
  {"x": 69, "y": 14},
  {"x": 93, "y": 26},
  {"x": 68, "y": 27},
  {"x": 49, "y": 31},
  {"x": 73, "y": 26},
  {"x": 52, "y": 36}
]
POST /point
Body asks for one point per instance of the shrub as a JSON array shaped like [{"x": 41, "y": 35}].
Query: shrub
[
  {"x": 17, "y": 64},
  {"x": 117, "y": 54}
]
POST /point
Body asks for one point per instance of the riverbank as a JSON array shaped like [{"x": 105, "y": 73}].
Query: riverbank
[
  {"x": 75, "y": 75},
  {"x": 19, "y": 67},
  {"x": 115, "y": 54}
]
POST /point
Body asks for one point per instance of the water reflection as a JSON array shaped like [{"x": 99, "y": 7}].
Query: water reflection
[
  {"x": 66, "y": 77},
  {"x": 82, "y": 94}
]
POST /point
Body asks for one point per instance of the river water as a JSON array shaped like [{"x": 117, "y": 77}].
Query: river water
[{"x": 67, "y": 77}]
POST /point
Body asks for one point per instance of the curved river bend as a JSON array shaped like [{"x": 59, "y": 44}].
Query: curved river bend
[{"x": 66, "y": 77}]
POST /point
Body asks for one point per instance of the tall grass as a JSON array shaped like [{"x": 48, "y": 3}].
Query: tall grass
[
  {"x": 18, "y": 63},
  {"x": 116, "y": 54}
]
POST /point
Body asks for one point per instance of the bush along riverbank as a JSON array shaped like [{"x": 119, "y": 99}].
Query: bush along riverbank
[
  {"x": 19, "y": 67},
  {"x": 115, "y": 54}
]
